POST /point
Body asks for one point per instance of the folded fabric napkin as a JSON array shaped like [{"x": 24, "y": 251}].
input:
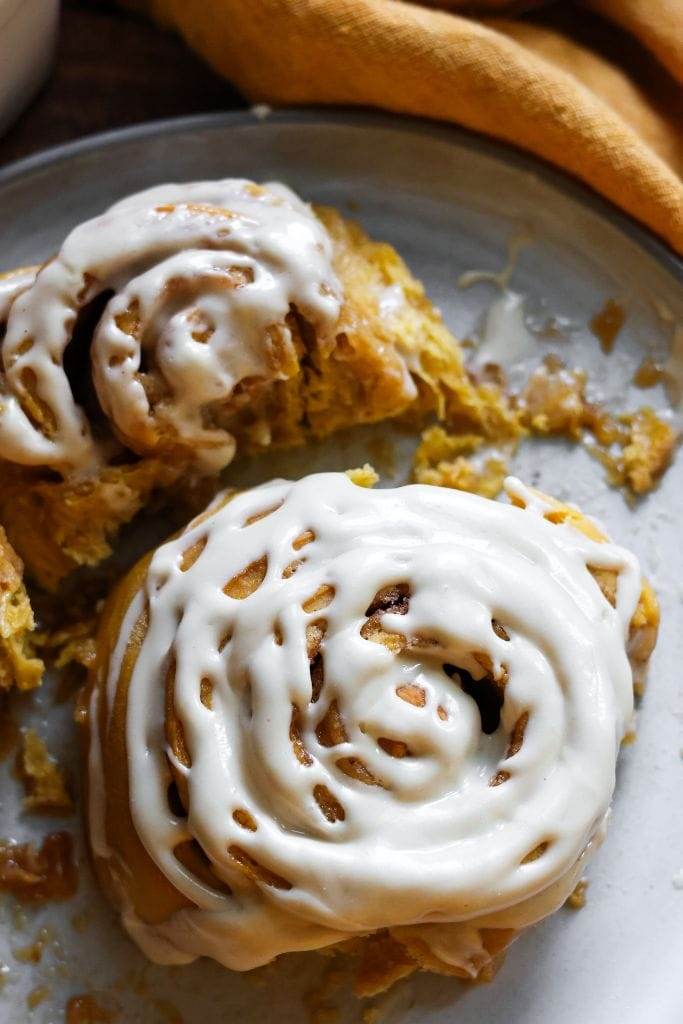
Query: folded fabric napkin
[{"x": 595, "y": 87}]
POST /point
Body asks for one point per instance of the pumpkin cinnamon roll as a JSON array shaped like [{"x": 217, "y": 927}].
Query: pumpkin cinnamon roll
[
  {"x": 384, "y": 721},
  {"x": 188, "y": 322}
]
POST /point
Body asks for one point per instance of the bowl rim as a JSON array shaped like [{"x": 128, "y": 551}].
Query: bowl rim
[{"x": 363, "y": 118}]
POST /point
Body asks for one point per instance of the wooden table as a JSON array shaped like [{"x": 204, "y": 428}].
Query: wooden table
[{"x": 114, "y": 69}]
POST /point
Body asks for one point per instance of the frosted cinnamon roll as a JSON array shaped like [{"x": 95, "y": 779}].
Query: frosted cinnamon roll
[
  {"x": 184, "y": 323},
  {"x": 387, "y": 721}
]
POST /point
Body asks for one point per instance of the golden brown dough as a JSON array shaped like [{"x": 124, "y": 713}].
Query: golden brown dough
[{"x": 18, "y": 665}]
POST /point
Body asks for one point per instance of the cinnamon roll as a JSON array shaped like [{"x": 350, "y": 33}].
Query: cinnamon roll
[
  {"x": 189, "y": 321},
  {"x": 385, "y": 721}
]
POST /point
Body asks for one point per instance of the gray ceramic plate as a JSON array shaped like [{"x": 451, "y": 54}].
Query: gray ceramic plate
[{"x": 450, "y": 203}]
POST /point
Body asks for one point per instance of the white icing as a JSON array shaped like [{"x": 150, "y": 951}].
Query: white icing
[
  {"x": 12, "y": 284},
  {"x": 391, "y": 301},
  {"x": 435, "y": 848},
  {"x": 506, "y": 340},
  {"x": 166, "y": 254},
  {"x": 392, "y": 304}
]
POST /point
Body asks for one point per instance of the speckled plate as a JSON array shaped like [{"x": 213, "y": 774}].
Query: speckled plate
[{"x": 450, "y": 203}]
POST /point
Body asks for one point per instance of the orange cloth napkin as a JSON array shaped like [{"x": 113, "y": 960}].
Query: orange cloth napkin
[{"x": 595, "y": 87}]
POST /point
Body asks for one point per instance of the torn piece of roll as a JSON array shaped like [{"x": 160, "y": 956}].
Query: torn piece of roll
[
  {"x": 198, "y": 281},
  {"x": 184, "y": 324},
  {"x": 382, "y": 720}
]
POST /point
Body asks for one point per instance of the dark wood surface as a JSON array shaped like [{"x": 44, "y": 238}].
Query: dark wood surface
[{"x": 113, "y": 69}]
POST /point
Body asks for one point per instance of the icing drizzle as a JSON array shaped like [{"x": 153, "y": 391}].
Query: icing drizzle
[
  {"x": 346, "y": 774},
  {"x": 199, "y": 280}
]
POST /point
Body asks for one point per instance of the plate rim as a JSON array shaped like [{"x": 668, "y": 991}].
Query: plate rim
[
  {"x": 49, "y": 161},
  {"x": 363, "y": 118}
]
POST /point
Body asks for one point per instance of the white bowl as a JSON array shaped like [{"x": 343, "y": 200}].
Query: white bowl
[{"x": 28, "y": 30}]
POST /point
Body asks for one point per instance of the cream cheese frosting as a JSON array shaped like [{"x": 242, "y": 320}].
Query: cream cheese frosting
[
  {"x": 414, "y": 818},
  {"x": 12, "y": 284},
  {"x": 200, "y": 278}
]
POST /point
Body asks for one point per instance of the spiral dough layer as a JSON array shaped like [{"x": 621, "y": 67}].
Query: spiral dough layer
[
  {"x": 197, "y": 282},
  {"x": 382, "y": 709}
]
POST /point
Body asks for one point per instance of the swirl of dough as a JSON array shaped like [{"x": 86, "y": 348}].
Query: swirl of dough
[
  {"x": 376, "y": 709},
  {"x": 198, "y": 281}
]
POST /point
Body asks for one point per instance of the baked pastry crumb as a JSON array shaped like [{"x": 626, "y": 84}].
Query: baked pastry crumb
[
  {"x": 42, "y": 778},
  {"x": 649, "y": 373},
  {"x": 59, "y": 525},
  {"x": 383, "y": 962},
  {"x": 634, "y": 447},
  {"x": 36, "y": 876},
  {"x": 19, "y": 667},
  {"x": 37, "y": 996},
  {"x": 553, "y": 400},
  {"x": 318, "y": 999},
  {"x": 364, "y": 476},
  {"x": 631, "y": 735},
  {"x": 86, "y": 1009},
  {"x": 650, "y": 447},
  {"x": 607, "y": 323},
  {"x": 33, "y": 953},
  {"x": 73, "y": 644},
  {"x": 442, "y": 459},
  {"x": 577, "y": 899}
]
